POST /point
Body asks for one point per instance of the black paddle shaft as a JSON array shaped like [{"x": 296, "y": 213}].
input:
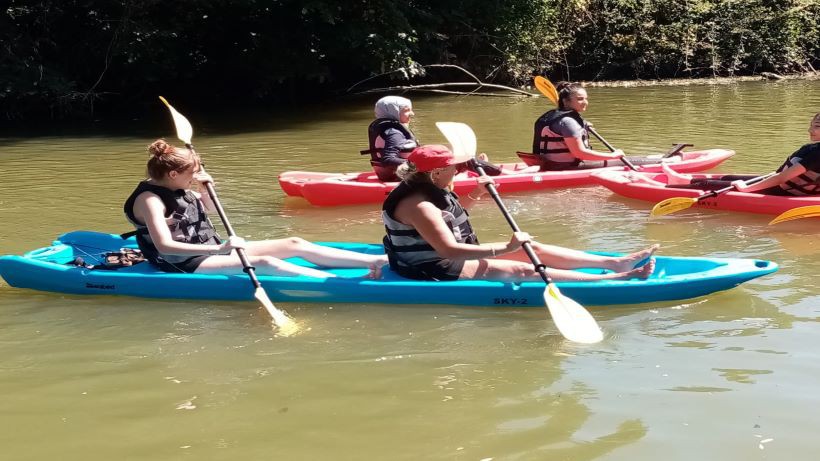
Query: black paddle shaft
[
  {"x": 246, "y": 265},
  {"x": 539, "y": 266},
  {"x": 612, "y": 149}
]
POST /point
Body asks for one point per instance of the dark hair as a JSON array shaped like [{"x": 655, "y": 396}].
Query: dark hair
[
  {"x": 166, "y": 158},
  {"x": 565, "y": 91}
]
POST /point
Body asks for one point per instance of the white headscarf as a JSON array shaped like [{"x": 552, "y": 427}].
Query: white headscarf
[{"x": 391, "y": 106}]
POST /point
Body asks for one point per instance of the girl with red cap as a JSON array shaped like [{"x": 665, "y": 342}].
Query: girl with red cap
[{"x": 429, "y": 236}]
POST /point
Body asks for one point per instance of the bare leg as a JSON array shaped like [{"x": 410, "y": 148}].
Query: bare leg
[
  {"x": 506, "y": 269},
  {"x": 264, "y": 265},
  {"x": 674, "y": 178},
  {"x": 317, "y": 254},
  {"x": 566, "y": 258}
]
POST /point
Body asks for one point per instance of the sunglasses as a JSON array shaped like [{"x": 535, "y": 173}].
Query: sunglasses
[{"x": 462, "y": 167}]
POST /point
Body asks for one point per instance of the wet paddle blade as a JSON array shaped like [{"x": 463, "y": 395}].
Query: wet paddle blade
[
  {"x": 811, "y": 211},
  {"x": 185, "y": 132},
  {"x": 287, "y": 326},
  {"x": 547, "y": 89},
  {"x": 572, "y": 320},
  {"x": 672, "y": 205},
  {"x": 461, "y": 137}
]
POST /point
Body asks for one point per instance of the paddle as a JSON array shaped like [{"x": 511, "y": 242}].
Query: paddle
[
  {"x": 573, "y": 321},
  {"x": 548, "y": 89},
  {"x": 286, "y": 325},
  {"x": 809, "y": 211},
  {"x": 674, "y": 204}
]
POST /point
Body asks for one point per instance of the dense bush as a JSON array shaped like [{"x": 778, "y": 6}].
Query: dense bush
[{"x": 69, "y": 58}]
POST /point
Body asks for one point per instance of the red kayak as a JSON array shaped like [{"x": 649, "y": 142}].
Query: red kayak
[
  {"x": 638, "y": 186},
  {"x": 334, "y": 189}
]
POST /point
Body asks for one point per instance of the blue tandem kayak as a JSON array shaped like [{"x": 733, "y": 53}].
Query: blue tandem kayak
[{"x": 52, "y": 269}]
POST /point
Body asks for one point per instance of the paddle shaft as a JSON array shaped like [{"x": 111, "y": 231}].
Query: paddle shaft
[
  {"x": 539, "y": 266},
  {"x": 243, "y": 257},
  {"x": 612, "y": 149}
]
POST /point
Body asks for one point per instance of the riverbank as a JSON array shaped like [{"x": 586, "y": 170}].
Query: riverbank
[{"x": 765, "y": 76}]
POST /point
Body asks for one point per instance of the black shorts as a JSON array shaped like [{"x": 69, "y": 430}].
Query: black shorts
[
  {"x": 440, "y": 270},
  {"x": 189, "y": 266}
]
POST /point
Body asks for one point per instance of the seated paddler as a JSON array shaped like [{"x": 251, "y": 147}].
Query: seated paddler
[
  {"x": 429, "y": 235},
  {"x": 175, "y": 234},
  {"x": 561, "y": 135}
]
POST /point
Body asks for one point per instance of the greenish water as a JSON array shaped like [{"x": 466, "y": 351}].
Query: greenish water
[{"x": 99, "y": 378}]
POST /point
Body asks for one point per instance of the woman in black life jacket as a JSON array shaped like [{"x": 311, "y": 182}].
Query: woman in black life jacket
[
  {"x": 799, "y": 174},
  {"x": 561, "y": 136},
  {"x": 429, "y": 236},
  {"x": 175, "y": 234}
]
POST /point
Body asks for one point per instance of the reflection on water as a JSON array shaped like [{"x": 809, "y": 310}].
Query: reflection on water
[{"x": 168, "y": 379}]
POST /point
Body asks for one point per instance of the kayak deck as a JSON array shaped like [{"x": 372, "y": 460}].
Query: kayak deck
[
  {"x": 335, "y": 189},
  {"x": 50, "y": 269},
  {"x": 638, "y": 186}
]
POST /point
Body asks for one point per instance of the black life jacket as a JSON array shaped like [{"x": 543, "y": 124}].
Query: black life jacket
[
  {"x": 186, "y": 219},
  {"x": 550, "y": 146},
  {"x": 375, "y": 136},
  {"x": 403, "y": 244},
  {"x": 808, "y": 182}
]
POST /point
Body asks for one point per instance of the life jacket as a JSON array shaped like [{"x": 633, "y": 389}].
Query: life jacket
[
  {"x": 375, "y": 136},
  {"x": 549, "y": 145},
  {"x": 185, "y": 216},
  {"x": 403, "y": 244},
  {"x": 808, "y": 182}
]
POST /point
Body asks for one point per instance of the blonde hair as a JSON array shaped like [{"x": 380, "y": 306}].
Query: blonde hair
[
  {"x": 815, "y": 121},
  {"x": 166, "y": 158},
  {"x": 408, "y": 173}
]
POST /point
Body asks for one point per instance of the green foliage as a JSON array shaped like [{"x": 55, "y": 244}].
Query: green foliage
[{"x": 74, "y": 58}]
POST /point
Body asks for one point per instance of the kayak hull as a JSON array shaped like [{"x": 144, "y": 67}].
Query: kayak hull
[
  {"x": 49, "y": 269},
  {"x": 335, "y": 189},
  {"x": 635, "y": 186}
]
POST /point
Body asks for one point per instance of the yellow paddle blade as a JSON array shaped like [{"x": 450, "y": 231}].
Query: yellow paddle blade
[
  {"x": 671, "y": 205},
  {"x": 547, "y": 89},
  {"x": 573, "y": 321},
  {"x": 185, "y": 132},
  {"x": 461, "y": 138},
  {"x": 810, "y": 211},
  {"x": 286, "y": 325}
]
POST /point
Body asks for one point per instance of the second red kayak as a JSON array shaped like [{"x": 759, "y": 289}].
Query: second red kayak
[
  {"x": 645, "y": 187},
  {"x": 334, "y": 189}
]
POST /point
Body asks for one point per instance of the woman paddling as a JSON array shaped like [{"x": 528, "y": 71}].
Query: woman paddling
[
  {"x": 799, "y": 174},
  {"x": 389, "y": 136},
  {"x": 175, "y": 234},
  {"x": 429, "y": 236},
  {"x": 561, "y": 136}
]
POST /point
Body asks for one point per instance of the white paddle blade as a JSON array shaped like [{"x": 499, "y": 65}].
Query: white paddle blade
[
  {"x": 573, "y": 321},
  {"x": 286, "y": 325},
  {"x": 185, "y": 132},
  {"x": 461, "y": 138}
]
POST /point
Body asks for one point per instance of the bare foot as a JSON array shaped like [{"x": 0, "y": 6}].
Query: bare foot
[
  {"x": 673, "y": 177},
  {"x": 628, "y": 262},
  {"x": 642, "y": 272}
]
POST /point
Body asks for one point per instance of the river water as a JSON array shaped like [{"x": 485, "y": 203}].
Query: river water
[{"x": 730, "y": 376}]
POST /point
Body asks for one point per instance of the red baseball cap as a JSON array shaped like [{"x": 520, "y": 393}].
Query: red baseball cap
[{"x": 429, "y": 157}]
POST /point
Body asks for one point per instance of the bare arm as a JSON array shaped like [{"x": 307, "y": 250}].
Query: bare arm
[
  {"x": 772, "y": 181},
  {"x": 149, "y": 209},
  {"x": 427, "y": 219},
  {"x": 580, "y": 151}
]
